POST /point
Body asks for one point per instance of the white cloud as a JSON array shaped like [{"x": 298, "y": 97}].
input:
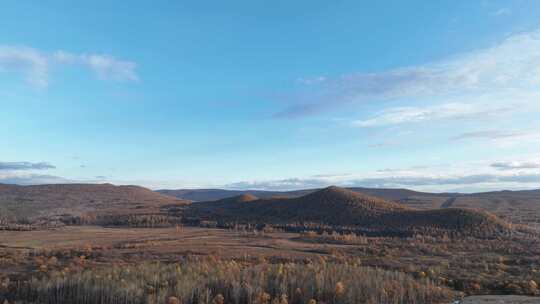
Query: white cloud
[
  {"x": 490, "y": 105},
  {"x": 105, "y": 67},
  {"x": 478, "y": 177},
  {"x": 32, "y": 179},
  {"x": 25, "y": 166},
  {"x": 502, "y": 12},
  {"x": 402, "y": 115},
  {"x": 511, "y": 65},
  {"x": 423, "y": 182},
  {"x": 27, "y": 61},
  {"x": 35, "y": 65},
  {"x": 311, "y": 80},
  {"x": 384, "y": 144},
  {"x": 516, "y": 165},
  {"x": 515, "y": 172},
  {"x": 502, "y": 138},
  {"x": 17, "y": 173},
  {"x": 489, "y": 134}
]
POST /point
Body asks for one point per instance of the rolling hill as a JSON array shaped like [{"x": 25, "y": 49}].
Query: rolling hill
[
  {"x": 205, "y": 195},
  {"x": 411, "y": 198},
  {"x": 342, "y": 207},
  {"x": 76, "y": 200},
  {"x": 516, "y": 206},
  {"x": 330, "y": 206}
]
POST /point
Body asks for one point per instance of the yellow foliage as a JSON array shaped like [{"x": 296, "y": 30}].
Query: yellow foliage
[
  {"x": 263, "y": 298},
  {"x": 173, "y": 300},
  {"x": 340, "y": 289},
  {"x": 219, "y": 299}
]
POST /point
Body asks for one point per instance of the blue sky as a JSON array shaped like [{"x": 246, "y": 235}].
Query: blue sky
[{"x": 429, "y": 95}]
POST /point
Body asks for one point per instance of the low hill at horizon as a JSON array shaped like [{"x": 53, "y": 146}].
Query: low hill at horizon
[
  {"x": 410, "y": 197},
  {"x": 519, "y": 206},
  {"x": 78, "y": 200},
  {"x": 336, "y": 206}
]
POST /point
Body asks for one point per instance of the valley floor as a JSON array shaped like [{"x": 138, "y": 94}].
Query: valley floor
[
  {"x": 471, "y": 266},
  {"x": 166, "y": 241}
]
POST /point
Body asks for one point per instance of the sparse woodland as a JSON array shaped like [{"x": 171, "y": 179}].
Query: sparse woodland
[{"x": 212, "y": 281}]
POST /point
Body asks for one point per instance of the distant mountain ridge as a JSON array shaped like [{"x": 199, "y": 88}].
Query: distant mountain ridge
[
  {"x": 201, "y": 195},
  {"x": 522, "y": 206},
  {"x": 333, "y": 205},
  {"x": 342, "y": 207}
]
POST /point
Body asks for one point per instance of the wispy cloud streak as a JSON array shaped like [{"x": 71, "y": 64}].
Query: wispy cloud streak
[
  {"x": 414, "y": 182},
  {"x": 35, "y": 65},
  {"x": 516, "y": 165},
  {"x": 12, "y": 166},
  {"x": 513, "y": 64}
]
